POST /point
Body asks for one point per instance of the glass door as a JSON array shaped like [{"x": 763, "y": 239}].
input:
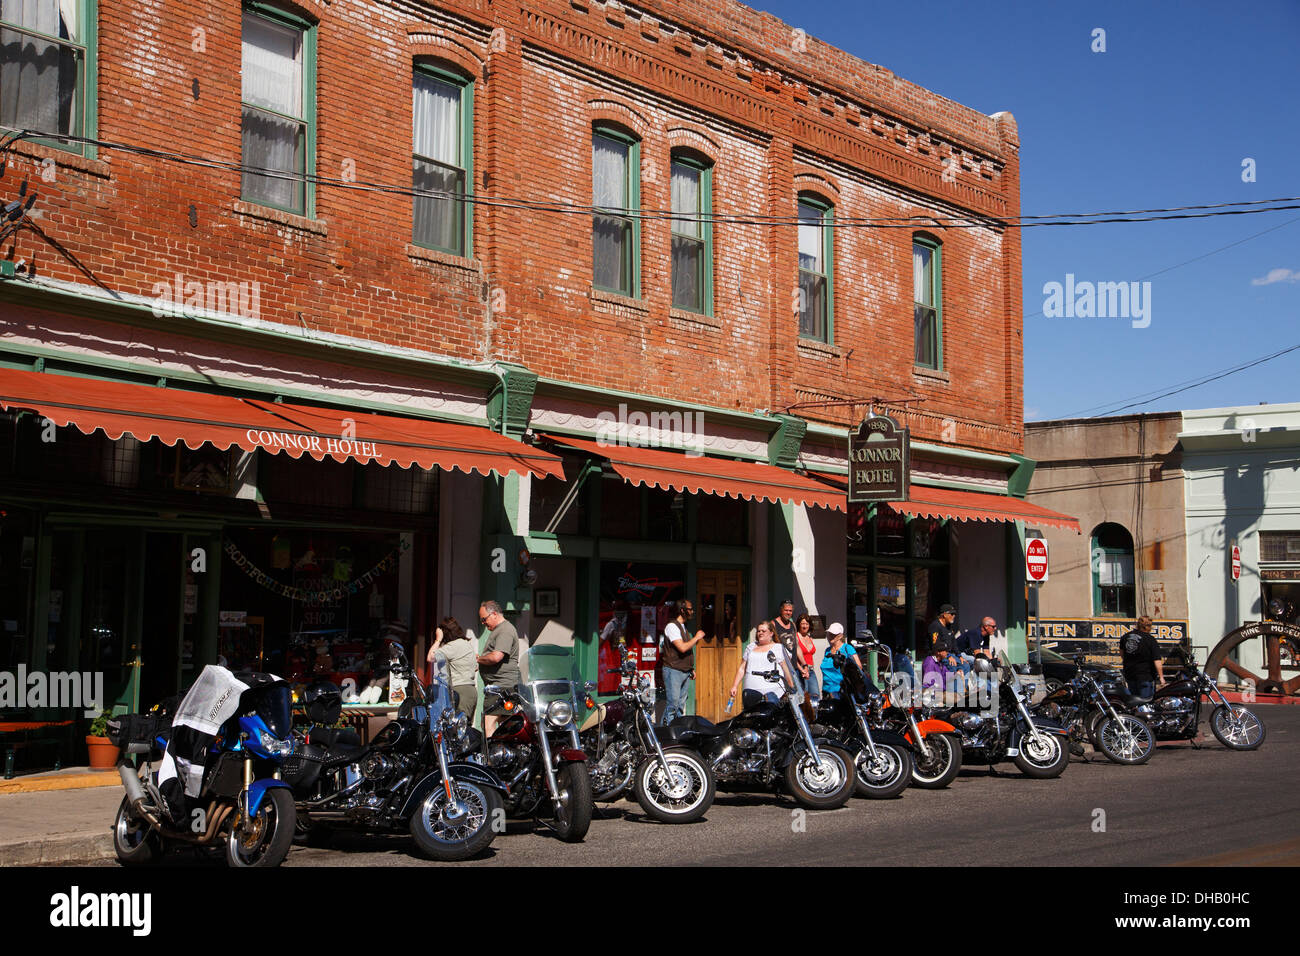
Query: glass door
[{"x": 720, "y": 597}]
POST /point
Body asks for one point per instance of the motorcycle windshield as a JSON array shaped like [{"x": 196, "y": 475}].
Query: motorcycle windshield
[
  {"x": 274, "y": 703},
  {"x": 439, "y": 695},
  {"x": 1013, "y": 677},
  {"x": 552, "y": 675}
]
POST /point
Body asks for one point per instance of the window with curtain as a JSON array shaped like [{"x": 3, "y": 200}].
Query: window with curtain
[
  {"x": 814, "y": 270},
  {"x": 441, "y": 164},
  {"x": 1112, "y": 571},
  {"x": 275, "y": 106},
  {"x": 926, "y": 303},
  {"x": 43, "y": 63},
  {"x": 615, "y": 171},
  {"x": 692, "y": 238}
]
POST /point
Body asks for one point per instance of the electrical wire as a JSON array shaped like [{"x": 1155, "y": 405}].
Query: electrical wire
[{"x": 1206, "y": 211}]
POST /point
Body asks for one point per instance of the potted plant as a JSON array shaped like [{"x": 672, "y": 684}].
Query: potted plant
[{"x": 103, "y": 752}]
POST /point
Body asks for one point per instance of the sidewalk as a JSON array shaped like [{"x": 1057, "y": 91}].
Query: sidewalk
[{"x": 58, "y": 826}]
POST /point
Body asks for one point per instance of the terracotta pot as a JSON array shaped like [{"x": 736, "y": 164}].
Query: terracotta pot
[{"x": 103, "y": 753}]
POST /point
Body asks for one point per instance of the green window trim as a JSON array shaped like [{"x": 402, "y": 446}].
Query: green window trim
[
  {"x": 466, "y": 85},
  {"x": 286, "y": 18},
  {"x": 706, "y": 224},
  {"x": 1127, "y": 592},
  {"x": 631, "y": 211},
  {"x": 936, "y": 291},
  {"x": 828, "y": 260},
  {"x": 87, "y": 125}
]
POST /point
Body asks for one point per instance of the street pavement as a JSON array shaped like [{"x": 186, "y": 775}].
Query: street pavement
[{"x": 1186, "y": 806}]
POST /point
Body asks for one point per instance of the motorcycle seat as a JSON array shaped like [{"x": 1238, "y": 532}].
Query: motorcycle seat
[
  {"x": 1133, "y": 700},
  {"x": 332, "y": 737},
  {"x": 695, "y": 724}
]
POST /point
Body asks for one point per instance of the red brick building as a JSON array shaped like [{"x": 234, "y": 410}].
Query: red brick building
[{"x": 688, "y": 209}]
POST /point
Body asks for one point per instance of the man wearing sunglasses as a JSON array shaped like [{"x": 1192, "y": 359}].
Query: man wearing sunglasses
[{"x": 499, "y": 662}]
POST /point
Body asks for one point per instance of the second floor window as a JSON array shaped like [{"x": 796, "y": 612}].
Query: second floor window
[
  {"x": 43, "y": 67},
  {"x": 277, "y": 103},
  {"x": 1112, "y": 571},
  {"x": 615, "y": 234},
  {"x": 692, "y": 236},
  {"x": 815, "y": 270},
  {"x": 442, "y": 111},
  {"x": 927, "y": 303}
]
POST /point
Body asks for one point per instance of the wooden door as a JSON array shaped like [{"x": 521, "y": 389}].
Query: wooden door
[{"x": 719, "y": 602}]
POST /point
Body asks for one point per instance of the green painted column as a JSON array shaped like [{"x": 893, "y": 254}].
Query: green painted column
[
  {"x": 780, "y": 561},
  {"x": 73, "y": 595},
  {"x": 206, "y": 643}
]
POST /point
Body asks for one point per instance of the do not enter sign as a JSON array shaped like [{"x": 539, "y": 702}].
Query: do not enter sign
[
  {"x": 1036, "y": 559},
  {"x": 1236, "y": 563}
]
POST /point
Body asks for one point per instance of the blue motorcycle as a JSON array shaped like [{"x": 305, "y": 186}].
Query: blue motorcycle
[{"x": 208, "y": 789}]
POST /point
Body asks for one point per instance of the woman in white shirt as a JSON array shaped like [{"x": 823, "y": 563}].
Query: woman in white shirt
[
  {"x": 459, "y": 652},
  {"x": 761, "y": 677}
]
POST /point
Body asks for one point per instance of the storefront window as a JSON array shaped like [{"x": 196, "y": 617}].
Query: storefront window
[
  {"x": 546, "y": 495},
  {"x": 634, "y": 604},
  {"x": 859, "y": 530},
  {"x": 721, "y": 520},
  {"x": 666, "y": 515},
  {"x": 620, "y": 509},
  {"x": 891, "y": 533}
]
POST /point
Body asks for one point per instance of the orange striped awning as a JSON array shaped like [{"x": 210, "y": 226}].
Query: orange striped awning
[
  {"x": 730, "y": 478},
  {"x": 926, "y": 502},
  {"x": 173, "y": 415}
]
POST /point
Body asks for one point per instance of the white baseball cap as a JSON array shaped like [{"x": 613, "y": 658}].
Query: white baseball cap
[{"x": 836, "y": 628}]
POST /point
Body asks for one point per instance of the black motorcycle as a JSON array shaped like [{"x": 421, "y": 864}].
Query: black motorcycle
[
  {"x": 672, "y": 784},
  {"x": 1080, "y": 704},
  {"x": 769, "y": 744},
  {"x": 1174, "y": 711},
  {"x": 1038, "y": 745},
  {"x": 882, "y": 758},
  {"x": 406, "y": 779}
]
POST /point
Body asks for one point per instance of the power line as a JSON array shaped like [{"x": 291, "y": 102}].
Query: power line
[
  {"x": 1212, "y": 377},
  {"x": 1207, "y": 211}
]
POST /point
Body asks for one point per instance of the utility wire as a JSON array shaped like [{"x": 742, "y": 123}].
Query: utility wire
[{"x": 752, "y": 219}]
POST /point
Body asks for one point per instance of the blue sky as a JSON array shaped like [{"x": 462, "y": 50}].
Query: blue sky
[{"x": 1164, "y": 117}]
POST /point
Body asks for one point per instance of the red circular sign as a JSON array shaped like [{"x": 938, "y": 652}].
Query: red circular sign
[
  {"x": 1236, "y": 563},
  {"x": 1036, "y": 559}
]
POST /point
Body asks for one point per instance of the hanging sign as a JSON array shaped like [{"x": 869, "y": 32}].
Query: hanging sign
[{"x": 879, "y": 460}]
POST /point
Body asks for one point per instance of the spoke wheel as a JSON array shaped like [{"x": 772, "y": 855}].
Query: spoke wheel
[
  {"x": 1281, "y": 671},
  {"x": 1236, "y": 727},
  {"x": 682, "y": 795},
  {"x": 442, "y": 831},
  {"x": 1126, "y": 739}
]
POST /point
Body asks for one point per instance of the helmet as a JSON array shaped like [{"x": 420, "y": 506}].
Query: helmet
[
  {"x": 323, "y": 701},
  {"x": 982, "y": 665}
]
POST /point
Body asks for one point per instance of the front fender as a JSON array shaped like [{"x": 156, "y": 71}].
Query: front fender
[
  {"x": 569, "y": 755},
  {"x": 934, "y": 726},
  {"x": 470, "y": 772},
  {"x": 257, "y": 790}
]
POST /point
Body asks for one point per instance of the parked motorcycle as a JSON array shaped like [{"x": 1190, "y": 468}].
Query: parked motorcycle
[
  {"x": 535, "y": 751},
  {"x": 1080, "y": 703},
  {"x": 406, "y": 779},
  {"x": 241, "y": 804},
  {"x": 935, "y": 744},
  {"x": 1174, "y": 712},
  {"x": 770, "y": 744},
  {"x": 1038, "y": 745},
  {"x": 672, "y": 784},
  {"x": 882, "y": 758}
]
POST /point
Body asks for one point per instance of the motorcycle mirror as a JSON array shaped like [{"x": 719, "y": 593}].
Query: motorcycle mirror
[
  {"x": 771, "y": 655},
  {"x": 396, "y": 652}
]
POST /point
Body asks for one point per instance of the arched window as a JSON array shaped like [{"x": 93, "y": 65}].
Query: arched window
[
  {"x": 616, "y": 193},
  {"x": 443, "y": 159},
  {"x": 816, "y": 268},
  {"x": 692, "y": 251},
  {"x": 1112, "y": 571},
  {"x": 927, "y": 301}
]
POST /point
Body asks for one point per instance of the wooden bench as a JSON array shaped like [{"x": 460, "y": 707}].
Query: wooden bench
[{"x": 16, "y": 735}]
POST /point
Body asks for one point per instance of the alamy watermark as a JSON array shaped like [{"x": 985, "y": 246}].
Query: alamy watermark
[
  {"x": 63, "y": 690},
  {"x": 657, "y": 429},
  {"x": 193, "y": 298},
  {"x": 1100, "y": 300}
]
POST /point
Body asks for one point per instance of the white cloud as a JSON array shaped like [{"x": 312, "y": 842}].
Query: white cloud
[{"x": 1278, "y": 275}]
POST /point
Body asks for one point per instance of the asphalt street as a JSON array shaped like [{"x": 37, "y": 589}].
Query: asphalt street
[{"x": 1186, "y": 806}]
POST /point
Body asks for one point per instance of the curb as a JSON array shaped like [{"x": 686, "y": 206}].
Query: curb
[
  {"x": 60, "y": 781},
  {"x": 1236, "y": 698},
  {"x": 86, "y": 848}
]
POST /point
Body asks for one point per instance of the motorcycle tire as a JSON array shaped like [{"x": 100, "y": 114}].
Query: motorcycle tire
[
  {"x": 685, "y": 803},
  {"x": 825, "y": 789},
  {"x": 1126, "y": 740},
  {"x": 571, "y": 823},
  {"x": 1248, "y": 735},
  {"x": 272, "y": 834},
  {"x": 134, "y": 842},
  {"x": 890, "y": 775},
  {"x": 943, "y": 767},
  {"x": 449, "y": 843},
  {"x": 1050, "y": 763},
  {"x": 1090, "y": 725}
]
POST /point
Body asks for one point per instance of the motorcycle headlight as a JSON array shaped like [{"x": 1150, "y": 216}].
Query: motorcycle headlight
[
  {"x": 559, "y": 713},
  {"x": 274, "y": 745}
]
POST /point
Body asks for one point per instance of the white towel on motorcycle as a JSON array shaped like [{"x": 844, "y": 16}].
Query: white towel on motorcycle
[{"x": 207, "y": 705}]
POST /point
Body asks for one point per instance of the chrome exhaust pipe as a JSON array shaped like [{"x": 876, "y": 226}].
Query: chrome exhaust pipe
[{"x": 131, "y": 782}]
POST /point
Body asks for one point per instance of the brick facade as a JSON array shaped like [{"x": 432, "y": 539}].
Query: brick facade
[{"x": 712, "y": 75}]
